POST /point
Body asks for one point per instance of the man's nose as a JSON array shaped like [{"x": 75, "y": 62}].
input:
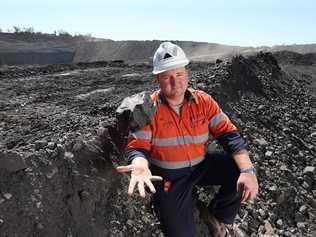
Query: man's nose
[{"x": 174, "y": 79}]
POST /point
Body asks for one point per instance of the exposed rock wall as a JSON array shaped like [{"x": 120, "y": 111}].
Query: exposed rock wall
[
  {"x": 20, "y": 58},
  {"x": 60, "y": 142}
]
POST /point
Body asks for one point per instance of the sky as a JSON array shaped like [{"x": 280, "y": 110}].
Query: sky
[{"x": 232, "y": 22}]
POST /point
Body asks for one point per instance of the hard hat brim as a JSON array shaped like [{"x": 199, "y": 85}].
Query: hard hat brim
[{"x": 170, "y": 66}]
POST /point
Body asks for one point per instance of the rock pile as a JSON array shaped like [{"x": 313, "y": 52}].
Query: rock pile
[
  {"x": 275, "y": 115},
  {"x": 60, "y": 142}
]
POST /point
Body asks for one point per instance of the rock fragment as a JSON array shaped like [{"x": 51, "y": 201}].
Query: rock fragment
[
  {"x": 268, "y": 228},
  {"x": 11, "y": 161},
  {"x": 309, "y": 169},
  {"x": 261, "y": 141},
  {"x": 51, "y": 145},
  {"x": 40, "y": 144},
  {"x": 7, "y": 196}
]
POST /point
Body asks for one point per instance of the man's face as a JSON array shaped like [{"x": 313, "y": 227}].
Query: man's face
[{"x": 173, "y": 83}]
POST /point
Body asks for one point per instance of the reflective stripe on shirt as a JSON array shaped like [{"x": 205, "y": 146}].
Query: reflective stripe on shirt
[
  {"x": 176, "y": 164},
  {"x": 141, "y": 135},
  {"x": 180, "y": 140},
  {"x": 217, "y": 119}
]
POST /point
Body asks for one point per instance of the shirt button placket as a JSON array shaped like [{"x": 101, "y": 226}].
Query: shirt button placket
[{"x": 182, "y": 127}]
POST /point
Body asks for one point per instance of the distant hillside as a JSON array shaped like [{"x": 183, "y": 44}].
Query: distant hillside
[
  {"x": 139, "y": 51},
  {"x": 35, "y": 48}
]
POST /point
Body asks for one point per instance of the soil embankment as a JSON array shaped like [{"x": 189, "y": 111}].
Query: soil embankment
[{"x": 60, "y": 142}]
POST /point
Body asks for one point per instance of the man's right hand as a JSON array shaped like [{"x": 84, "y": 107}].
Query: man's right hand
[{"x": 140, "y": 175}]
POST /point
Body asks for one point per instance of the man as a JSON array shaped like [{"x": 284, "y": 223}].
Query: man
[{"x": 172, "y": 148}]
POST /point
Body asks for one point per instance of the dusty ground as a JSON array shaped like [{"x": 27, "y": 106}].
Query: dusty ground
[{"x": 53, "y": 182}]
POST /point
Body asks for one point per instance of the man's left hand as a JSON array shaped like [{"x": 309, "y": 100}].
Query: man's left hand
[{"x": 247, "y": 184}]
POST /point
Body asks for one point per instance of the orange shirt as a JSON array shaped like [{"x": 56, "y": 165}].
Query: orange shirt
[{"x": 179, "y": 140}]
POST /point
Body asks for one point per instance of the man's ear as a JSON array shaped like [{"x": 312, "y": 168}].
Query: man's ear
[{"x": 187, "y": 69}]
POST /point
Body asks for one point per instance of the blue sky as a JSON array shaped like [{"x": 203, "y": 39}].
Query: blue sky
[{"x": 233, "y": 22}]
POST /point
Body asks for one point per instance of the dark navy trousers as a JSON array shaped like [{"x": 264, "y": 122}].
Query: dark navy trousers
[{"x": 175, "y": 207}]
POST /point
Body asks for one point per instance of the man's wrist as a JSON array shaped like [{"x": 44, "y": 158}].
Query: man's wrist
[{"x": 140, "y": 161}]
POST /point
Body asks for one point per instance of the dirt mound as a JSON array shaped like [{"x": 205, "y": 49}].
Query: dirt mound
[
  {"x": 228, "y": 81},
  {"x": 60, "y": 142},
  {"x": 287, "y": 57},
  {"x": 277, "y": 116},
  {"x": 303, "y": 68}
]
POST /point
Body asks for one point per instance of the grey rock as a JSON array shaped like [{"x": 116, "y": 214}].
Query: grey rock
[
  {"x": 201, "y": 85},
  {"x": 68, "y": 155},
  {"x": 287, "y": 233},
  {"x": 309, "y": 169},
  {"x": 300, "y": 154},
  {"x": 130, "y": 222},
  {"x": 94, "y": 93},
  {"x": 305, "y": 185},
  {"x": 289, "y": 145},
  {"x": 273, "y": 188},
  {"x": 261, "y": 141},
  {"x": 11, "y": 161},
  {"x": 60, "y": 147},
  {"x": 279, "y": 223},
  {"x": 300, "y": 225},
  {"x": 131, "y": 75},
  {"x": 40, "y": 144},
  {"x": 268, "y": 153},
  {"x": 299, "y": 217},
  {"x": 7, "y": 196},
  {"x": 39, "y": 226},
  {"x": 261, "y": 107},
  {"x": 303, "y": 209},
  {"x": 268, "y": 228},
  {"x": 140, "y": 109},
  {"x": 51, "y": 145},
  {"x": 39, "y": 204},
  {"x": 262, "y": 212},
  {"x": 239, "y": 232},
  {"x": 52, "y": 173}
]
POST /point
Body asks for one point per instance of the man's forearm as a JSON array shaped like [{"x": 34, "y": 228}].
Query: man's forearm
[{"x": 242, "y": 159}]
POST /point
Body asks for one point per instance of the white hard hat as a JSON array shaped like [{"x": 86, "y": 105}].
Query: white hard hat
[{"x": 168, "y": 56}]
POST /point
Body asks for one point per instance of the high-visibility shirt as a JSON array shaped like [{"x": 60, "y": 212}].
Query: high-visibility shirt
[{"x": 174, "y": 141}]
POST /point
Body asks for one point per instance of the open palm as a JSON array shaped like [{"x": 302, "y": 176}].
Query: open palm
[{"x": 140, "y": 175}]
